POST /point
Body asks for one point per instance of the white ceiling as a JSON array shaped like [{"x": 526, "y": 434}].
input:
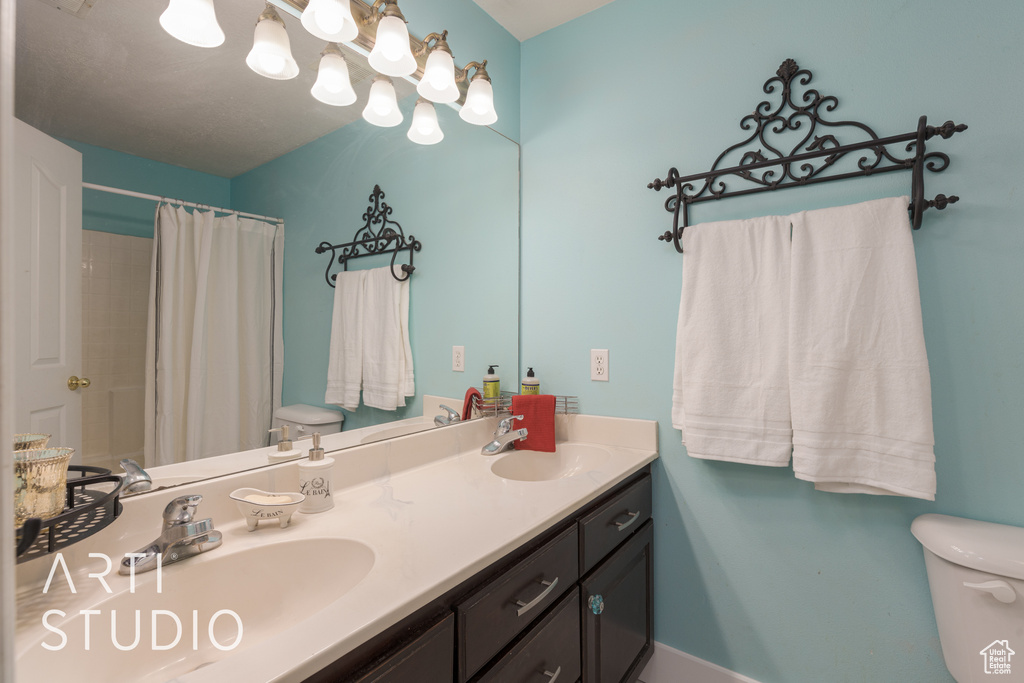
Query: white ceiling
[
  {"x": 113, "y": 78},
  {"x": 526, "y": 18}
]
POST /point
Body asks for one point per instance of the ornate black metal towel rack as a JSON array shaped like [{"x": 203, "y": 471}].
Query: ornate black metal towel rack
[
  {"x": 379, "y": 235},
  {"x": 798, "y": 167}
]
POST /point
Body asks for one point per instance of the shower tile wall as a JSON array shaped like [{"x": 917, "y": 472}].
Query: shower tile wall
[{"x": 115, "y": 298}]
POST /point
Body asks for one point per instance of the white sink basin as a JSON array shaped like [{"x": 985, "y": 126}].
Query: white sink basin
[
  {"x": 271, "y": 588},
  {"x": 568, "y": 460}
]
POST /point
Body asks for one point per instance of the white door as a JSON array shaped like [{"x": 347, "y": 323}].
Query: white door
[{"x": 48, "y": 287}]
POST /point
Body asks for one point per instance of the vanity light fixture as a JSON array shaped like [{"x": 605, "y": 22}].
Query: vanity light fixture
[
  {"x": 382, "y": 107},
  {"x": 479, "y": 106},
  {"x": 193, "y": 22},
  {"x": 333, "y": 85},
  {"x": 391, "y": 54},
  {"x": 438, "y": 82},
  {"x": 330, "y": 20},
  {"x": 425, "y": 129},
  {"x": 271, "y": 53}
]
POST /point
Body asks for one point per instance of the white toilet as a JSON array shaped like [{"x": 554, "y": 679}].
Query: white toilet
[
  {"x": 976, "y": 574},
  {"x": 303, "y": 420}
]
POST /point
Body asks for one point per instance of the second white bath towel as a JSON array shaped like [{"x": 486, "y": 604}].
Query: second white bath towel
[{"x": 859, "y": 380}]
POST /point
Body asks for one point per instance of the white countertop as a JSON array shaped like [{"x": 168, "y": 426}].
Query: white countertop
[{"x": 431, "y": 519}]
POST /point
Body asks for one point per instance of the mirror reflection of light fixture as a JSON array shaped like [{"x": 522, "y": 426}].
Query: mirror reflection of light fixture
[
  {"x": 382, "y": 106},
  {"x": 330, "y": 20},
  {"x": 193, "y": 22},
  {"x": 425, "y": 129},
  {"x": 391, "y": 54},
  {"x": 438, "y": 82},
  {"x": 479, "y": 106},
  {"x": 271, "y": 53},
  {"x": 333, "y": 85}
]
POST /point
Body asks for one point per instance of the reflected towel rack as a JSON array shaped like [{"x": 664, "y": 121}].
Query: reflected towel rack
[
  {"x": 797, "y": 167},
  {"x": 379, "y": 235}
]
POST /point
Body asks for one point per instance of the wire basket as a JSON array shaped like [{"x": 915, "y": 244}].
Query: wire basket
[{"x": 502, "y": 405}]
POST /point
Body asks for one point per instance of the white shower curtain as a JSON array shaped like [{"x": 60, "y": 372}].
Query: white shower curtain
[{"x": 214, "y": 350}]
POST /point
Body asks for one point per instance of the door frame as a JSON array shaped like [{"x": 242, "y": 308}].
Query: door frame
[{"x": 7, "y": 582}]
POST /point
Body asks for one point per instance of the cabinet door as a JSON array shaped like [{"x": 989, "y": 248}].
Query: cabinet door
[
  {"x": 616, "y": 605},
  {"x": 428, "y": 659}
]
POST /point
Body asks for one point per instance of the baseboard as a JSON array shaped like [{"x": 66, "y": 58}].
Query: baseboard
[{"x": 669, "y": 665}]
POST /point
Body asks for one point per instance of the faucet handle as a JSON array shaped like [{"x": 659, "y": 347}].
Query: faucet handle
[
  {"x": 452, "y": 415},
  {"x": 505, "y": 426},
  {"x": 181, "y": 510}
]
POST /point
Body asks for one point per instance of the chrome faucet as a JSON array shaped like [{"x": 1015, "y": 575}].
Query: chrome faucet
[
  {"x": 504, "y": 436},
  {"x": 136, "y": 479},
  {"x": 181, "y": 537},
  {"x": 451, "y": 418}
]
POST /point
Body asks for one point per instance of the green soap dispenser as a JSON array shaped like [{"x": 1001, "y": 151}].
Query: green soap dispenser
[
  {"x": 492, "y": 383},
  {"x": 530, "y": 385}
]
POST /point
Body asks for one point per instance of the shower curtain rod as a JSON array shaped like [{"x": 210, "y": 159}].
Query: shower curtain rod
[{"x": 169, "y": 200}]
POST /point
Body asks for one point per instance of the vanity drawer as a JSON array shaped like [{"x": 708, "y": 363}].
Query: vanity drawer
[
  {"x": 602, "y": 530},
  {"x": 490, "y": 618},
  {"x": 427, "y": 659},
  {"x": 549, "y": 651}
]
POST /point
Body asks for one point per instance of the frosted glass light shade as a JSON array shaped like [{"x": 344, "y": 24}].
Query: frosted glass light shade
[
  {"x": 438, "y": 83},
  {"x": 333, "y": 85},
  {"x": 271, "y": 53},
  {"x": 193, "y": 22},
  {"x": 382, "y": 106},
  {"x": 424, "y": 129},
  {"x": 330, "y": 20},
  {"x": 391, "y": 54},
  {"x": 479, "y": 106}
]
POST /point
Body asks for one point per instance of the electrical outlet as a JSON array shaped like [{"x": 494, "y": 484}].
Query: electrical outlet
[
  {"x": 458, "y": 359},
  {"x": 599, "y": 365}
]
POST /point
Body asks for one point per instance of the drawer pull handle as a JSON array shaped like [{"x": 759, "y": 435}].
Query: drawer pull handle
[
  {"x": 633, "y": 516},
  {"x": 552, "y": 675},
  {"x": 525, "y": 607}
]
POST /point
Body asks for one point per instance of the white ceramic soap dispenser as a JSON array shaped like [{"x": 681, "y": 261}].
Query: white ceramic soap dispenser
[
  {"x": 285, "y": 449},
  {"x": 315, "y": 479}
]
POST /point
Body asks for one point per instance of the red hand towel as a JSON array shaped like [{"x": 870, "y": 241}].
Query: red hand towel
[
  {"x": 467, "y": 403},
  {"x": 538, "y": 413}
]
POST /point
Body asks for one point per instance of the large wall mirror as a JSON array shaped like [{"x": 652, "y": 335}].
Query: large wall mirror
[{"x": 151, "y": 114}]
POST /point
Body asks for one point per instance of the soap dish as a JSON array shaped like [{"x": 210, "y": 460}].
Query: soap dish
[{"x": 266, "y": 506}]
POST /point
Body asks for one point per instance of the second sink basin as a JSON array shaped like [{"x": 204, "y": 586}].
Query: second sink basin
[
  {"x": 568, "y": 460},
  {"x": 270, "y": 588}
]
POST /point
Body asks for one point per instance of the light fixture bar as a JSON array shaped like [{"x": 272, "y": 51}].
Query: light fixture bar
[{"x": 363, "y": 43}]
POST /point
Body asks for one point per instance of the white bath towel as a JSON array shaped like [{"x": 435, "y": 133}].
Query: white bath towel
[
  {"x": 345, "y": 363},
  {"x": 387, "y": 354},
  {"x": 731, "y": 386},
  {"x": 859, "y": 381}
]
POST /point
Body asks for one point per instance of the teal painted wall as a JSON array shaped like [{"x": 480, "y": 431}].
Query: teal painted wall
[
  {"x": 131, "y": 216},
  {"x": 460, "y": 198},
  {"x": 754, "y": 570}
]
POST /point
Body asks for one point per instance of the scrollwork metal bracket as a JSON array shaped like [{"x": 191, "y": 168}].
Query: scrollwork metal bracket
[
  {"x": 378, "y": 235},
  {"x": 763, "y": 166}
]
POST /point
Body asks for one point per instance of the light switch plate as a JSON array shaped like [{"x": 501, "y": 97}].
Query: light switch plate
[
  {"x": 599, "y": 365},
  {"x": 458, "y": 359}
]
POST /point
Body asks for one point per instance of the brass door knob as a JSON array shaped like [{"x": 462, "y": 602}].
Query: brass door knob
[{"x": 78, "y": 383}]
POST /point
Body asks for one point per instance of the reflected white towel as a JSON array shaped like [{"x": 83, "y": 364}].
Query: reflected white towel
[
  {"x": 345, "y": 364},
  {"x": 731, "y": 386},
  {"x": 387, "y": 354},
  {"x": 859, "y": 380}
]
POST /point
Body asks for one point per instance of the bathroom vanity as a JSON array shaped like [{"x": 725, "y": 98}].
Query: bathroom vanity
[
  {"x": 574, "y": 604},
  {"x": 437, "y": 563}
]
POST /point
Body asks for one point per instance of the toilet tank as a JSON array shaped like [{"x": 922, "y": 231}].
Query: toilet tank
[
  {"x": 976, "y": 575},
  {"x": 304, "y": 419}
]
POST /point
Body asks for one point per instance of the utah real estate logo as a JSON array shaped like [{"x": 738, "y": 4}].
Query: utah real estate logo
[{"x": 997, "y": 657}]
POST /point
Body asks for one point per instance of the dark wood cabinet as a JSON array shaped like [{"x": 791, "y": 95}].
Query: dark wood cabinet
[
  {"x": 572, "y": 605},
  {"x": 616, "y": 606},
  {"x": 428, "y": 658}
]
